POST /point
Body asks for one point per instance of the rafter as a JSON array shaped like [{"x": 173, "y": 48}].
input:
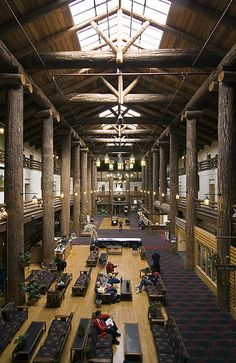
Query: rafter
[{"x": 161, "y": 58}]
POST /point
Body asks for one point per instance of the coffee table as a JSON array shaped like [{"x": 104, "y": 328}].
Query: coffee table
[{"x": 125, "y": 290}]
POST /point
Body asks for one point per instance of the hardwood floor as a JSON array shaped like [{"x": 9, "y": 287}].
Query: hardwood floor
[{"x": 126, "y": 311}]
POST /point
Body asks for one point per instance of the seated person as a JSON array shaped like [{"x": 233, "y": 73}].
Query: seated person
[
  {"x": 148, "y": 279},
  {"x": 102, "y": 289},
  {"x": 106, "y": 325},
  {"x": 110, "y": 268}
]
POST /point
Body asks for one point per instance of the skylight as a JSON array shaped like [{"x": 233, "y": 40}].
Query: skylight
[{"x": 84, "y": 10}]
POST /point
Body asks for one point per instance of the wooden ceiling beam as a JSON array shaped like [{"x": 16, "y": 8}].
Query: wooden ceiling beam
[
  {"x": 160, "y": 58},
  {"x": 127, "y": 120},
  {"x": 33, "y": 15},
  {"x": 177, "y": 33},
  {"x": 111, "y": 99},
  {"x": 63, "y": 33},
  {"x": 206, "y": 11}
]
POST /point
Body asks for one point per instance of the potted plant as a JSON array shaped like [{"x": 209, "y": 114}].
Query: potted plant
[
  {"x": 25, "y": 258},
  {"x": 33, "y": 292}
]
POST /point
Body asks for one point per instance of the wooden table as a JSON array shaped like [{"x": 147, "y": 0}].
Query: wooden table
[
  {"x": 79, "y": 343},
  {"x": 114, "y": 250},
  {"x": 132, "y": 346},
  {"x": 102, "y": 259},
  {"x": 125, "y": 290},
  {"x": 33, "y": 335}
]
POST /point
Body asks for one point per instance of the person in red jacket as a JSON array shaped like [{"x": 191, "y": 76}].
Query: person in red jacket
[
  {"x": 110, "y": 268},
  {"x": 106, "y": 325}
]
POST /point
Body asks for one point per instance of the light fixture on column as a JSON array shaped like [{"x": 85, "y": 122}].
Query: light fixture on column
[
  {"x": 62, "y": 195},
  {"x": 106, "y": 159},
  {"x": 162, "y": 194},
  {"x": 143, "y": 162},
  {"x": 177, "y": 196},
  {"x": 98, "y": 162},
  {"x": 120, "y": 162},
  {"x": 34, "y": 199},
  {"x": 132, "y": 158},
  {"x": 111, "y": 165},
  {"x": 206, "y": 200}
]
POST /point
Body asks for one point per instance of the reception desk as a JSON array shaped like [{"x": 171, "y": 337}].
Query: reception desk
[
  {"x": 122, "y": 241},
  {"x": 64, "y": 248}
]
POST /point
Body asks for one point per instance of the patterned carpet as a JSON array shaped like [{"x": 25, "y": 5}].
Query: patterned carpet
[{"x": 208, "y": 333}]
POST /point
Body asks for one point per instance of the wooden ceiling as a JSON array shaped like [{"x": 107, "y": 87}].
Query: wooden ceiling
[{"x": 79, "y": 85}]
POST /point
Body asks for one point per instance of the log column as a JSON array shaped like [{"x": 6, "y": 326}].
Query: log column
[
  {"x": 226, "y": 185},
  {"x": 146, "y": 183},
  {"x": 89, "y": 171},
  {"x": 84, "y": 181},
  {"x": 143, "y": 162},
  {"x": 163, "y": 171},
  {"x": 65, "y": 183},
  {"x": 47, "y": 186},
  {"x": 76, "y": 187},
  {"x": 150, "y": 185},
  {"x": 155, "y": 174},
  {"x": 173, "y": 179},
  {"x": 93, "y": 186},
  {"x": 191, "y": 183},
  {"x": 111, "y": 194},
  {"x": 13, "y": 187}
]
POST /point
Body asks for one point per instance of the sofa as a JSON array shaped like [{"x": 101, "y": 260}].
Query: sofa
[
  {"x": 53, "y": 345},
  {"x": 81, "y": 284},
  {"x": 169, "y": 343},
  {"x": 55, "y": 297},
  {"x": 99, "y": 348},
  {"x": 11, "y": 319},
  {"x": 157, "y": 291},
  {"x": 44, "y": 278}
]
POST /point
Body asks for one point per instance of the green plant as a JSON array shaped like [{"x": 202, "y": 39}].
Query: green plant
[
  {"x": 20, "y": 342},
  {"x": 32, "y": 290},
  {"x": 25, "y": 257}
]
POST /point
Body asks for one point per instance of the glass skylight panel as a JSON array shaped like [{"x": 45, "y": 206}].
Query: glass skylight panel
[{"x": 157, "y": 10}]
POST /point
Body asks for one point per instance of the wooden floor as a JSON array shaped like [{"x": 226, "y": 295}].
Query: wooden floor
[{"x": 126, "y": 311}]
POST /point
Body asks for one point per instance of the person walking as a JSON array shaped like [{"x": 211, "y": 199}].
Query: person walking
[{"x": 120, "y": 224}]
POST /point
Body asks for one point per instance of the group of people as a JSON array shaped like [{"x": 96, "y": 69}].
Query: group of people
[{"x": 105, "y": 283}]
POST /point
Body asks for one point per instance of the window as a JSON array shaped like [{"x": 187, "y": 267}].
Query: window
[{"x": 206, "y": 261}]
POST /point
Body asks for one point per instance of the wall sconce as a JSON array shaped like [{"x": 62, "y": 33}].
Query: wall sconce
[
  {"x": 177, "y": 196},
  {"x": 34, "y": 198},
  {"x": 143, "y": 162},
  {"x": 98, "y": 162},
  {"x": 106, "y": 159},
  {"x": 76, "y": 194},
  {"x": 206, "y": 200},
  {"x": 62, "y": 195},
  {"x": 2, "y": 130},
  {"x": 162, "y": 194},
  {"x": 154, "y": 193},
  {"x": 148, "y": 192}
]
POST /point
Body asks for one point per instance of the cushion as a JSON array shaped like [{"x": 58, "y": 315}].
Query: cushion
[{"x": 9, "y": 311}]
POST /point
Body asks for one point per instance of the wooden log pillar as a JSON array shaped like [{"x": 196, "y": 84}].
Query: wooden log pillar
[
  {"x": 76, "y": 188},
  {"x": 143, "y": 177},
  {"x": 47, "y": 186},
  {"x": 173, "y": 179},
  {"x": 13, "y": 187},
  {"x": 65, "y": 183},
  {"x": 146, "y": 183},
  {"x": 127, "y": 193},
  {"x": 93, "y": 186},
  {"x": 226, "y": 185},
  {"x": 163, "y": 173},
  {"x": 83, "y": 181},
  {"x": 150, "y": 189},
  {"x": 89, "y": 183},
  {"x": 155, "y": 174},
  {"x": 191, "y": 183},
  {"x": 111, "y": 194}
]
